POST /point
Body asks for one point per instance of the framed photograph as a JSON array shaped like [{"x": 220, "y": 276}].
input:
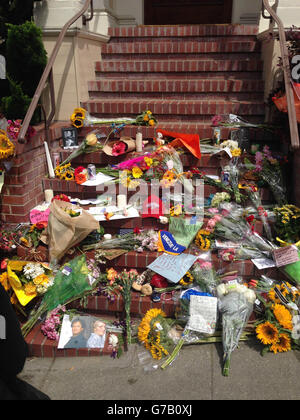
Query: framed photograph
[
  {"x": 85, "y": 331},
  {"x": 69, "y": 137}
]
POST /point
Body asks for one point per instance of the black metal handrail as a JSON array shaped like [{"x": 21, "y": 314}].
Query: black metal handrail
[
  {"x": 286, "y": 72},
  {"x": 48, "y": 75}
]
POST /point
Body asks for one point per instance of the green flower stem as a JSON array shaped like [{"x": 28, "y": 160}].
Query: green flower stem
[
  {"x": 226, "y": 365},
  {"x": 174, "y": 354}
]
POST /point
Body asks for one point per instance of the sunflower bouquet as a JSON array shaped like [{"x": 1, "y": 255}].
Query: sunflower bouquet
[
  {"x": 7, "y": 148},
  {"x": 82, "y": 118},
  {"x": 154, "y": 333},
  {"x": 64, "y": 172},
  {"x": 277, "y": 327}
]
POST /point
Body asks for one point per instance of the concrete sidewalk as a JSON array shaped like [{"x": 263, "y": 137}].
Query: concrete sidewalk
[{"x": 196, "y": 374}]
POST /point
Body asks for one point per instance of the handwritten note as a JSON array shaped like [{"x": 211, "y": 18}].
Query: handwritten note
[
  {"x": 203, "y": 314},
  {"x": 173, "y": 267},
  {"x": 286, "y": 255},
  {"x": 37, "y": 216}
]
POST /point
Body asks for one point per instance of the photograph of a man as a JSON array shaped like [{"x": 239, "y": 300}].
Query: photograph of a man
[{"x": 77, "y": 341}]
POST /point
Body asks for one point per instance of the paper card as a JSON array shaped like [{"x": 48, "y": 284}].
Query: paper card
[
  {"x": 226, "y": 150},
  {"x": 37, "y": 216},
  {"x": 263, "y": 263},
  {"x": 286, "y": 255},
  {"x": 173, "y": 267},
  {"x": 98, "y": 213},
  {"x": 203, "y": 314},
  {"x": 100, "y": 179}
]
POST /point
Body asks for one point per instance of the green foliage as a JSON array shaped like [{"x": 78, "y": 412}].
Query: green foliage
[
  {"x": 24, "y": 45},
  {"x": 15, "y": 12},
  {"x": 15, "y": 106}
]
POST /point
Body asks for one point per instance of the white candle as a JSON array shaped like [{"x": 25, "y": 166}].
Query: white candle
[
  {"x": 139, "y": 142},
  {"x": 49, "y": 195},
  {"x": 49, "y": 162},
  {"x": 121, "y": 201}
]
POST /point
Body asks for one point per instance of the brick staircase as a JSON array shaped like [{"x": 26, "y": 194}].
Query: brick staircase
[{"x": 185, "y": 75}]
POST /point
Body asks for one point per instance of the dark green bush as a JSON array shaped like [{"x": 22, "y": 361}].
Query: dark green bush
[
  {"x": 15, "y": 12},
  {"x": 26, "y": 57}
]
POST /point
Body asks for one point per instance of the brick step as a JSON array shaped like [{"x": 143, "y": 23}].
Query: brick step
[
  {"x": 214, "y": 64},
  {"x": 141, "y": 260},
  {"x": 216, "y": 96},
  {"x": 71, "y": 188},
  {"x": 183, "y": 47},
  {"x": 203, "y": 129},
  {"x": 173, "y": 110},
  {"x": 206, "y": 162},
  {"x": 183, "y": 30},
  {"x": 190, "y": 85},
  {"x": 113, "y": 226},
  {"x": 40, "y": 346},
  {"x": 97, "y": 306}
]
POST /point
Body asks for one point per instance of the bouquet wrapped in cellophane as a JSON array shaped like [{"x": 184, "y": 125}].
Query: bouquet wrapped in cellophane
[
  {"x": 235, "y": 305},
  {"x": 73, "y": 281},
  {"x": 239, "y": 230},
  {"x": 269, "y": 170}
]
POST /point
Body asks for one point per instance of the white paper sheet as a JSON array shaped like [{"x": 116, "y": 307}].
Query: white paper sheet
[{"x": 100, "y": 179}]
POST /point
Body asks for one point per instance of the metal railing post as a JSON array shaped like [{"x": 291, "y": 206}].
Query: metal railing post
[{"x": 48, "y": 75}]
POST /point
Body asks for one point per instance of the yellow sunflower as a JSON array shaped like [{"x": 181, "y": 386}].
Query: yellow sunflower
[
  {"x": 201, "y": 241},
  {"x": 283, "y": 316},
  {"x": 283, "y": 344},
  {"x": 79, "y": 113},
  {"x": 76, "y": 121},
  {"x": 187, "y": 279},
  {"x": 267, "y": 333},
  {"x": 145, "y": 325},
  {"x": 7, "y": 148}
]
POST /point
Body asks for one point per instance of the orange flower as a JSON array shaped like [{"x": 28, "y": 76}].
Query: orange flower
[{"x": 80, "y": 178}]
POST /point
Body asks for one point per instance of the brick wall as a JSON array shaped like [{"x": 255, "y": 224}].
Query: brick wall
[{"x": 23, "y": 188}]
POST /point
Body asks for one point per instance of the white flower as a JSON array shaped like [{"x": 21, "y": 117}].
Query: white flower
[
  {"x": 250, "y": 295},
  {"x": 33, "y": 270},
  {"x": 221, "y": 290},
  {"x": 296, "y": 327},
  {"x": 240, "y": 288},
  {"x": 229, "y": 143},
  {"x": 113, "y": 340},
  {"x": 163, "y": 220}
]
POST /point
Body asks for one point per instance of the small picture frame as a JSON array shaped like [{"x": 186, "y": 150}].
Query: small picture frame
[{"x": 69, "y": 137}]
